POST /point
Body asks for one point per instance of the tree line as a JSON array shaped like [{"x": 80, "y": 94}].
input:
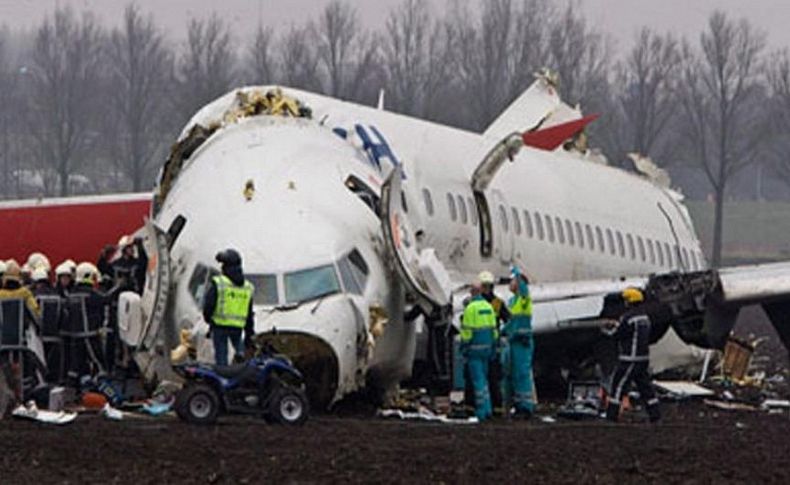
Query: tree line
[{"x": 84, "y": 108}]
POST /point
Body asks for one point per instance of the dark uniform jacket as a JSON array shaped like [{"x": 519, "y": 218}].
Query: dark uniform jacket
[{"x": 633, "y": 337}]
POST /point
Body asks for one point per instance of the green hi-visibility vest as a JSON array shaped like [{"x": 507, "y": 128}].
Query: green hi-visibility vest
[
  {"x": 521, "y": 305},
  {"x": 233, "y": 302},
  {"x": 479, "y": 316}
]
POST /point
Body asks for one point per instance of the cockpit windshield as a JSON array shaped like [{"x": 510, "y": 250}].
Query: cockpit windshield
[
  {"x": 309, "y": 284},
  {"x": 265, "y": 289}
]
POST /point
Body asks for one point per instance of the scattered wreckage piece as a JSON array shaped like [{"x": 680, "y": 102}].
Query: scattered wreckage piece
[
  {"x": 30, "y": 411},
  {"x": 424, "y": 414},
  {"x": 680, "y": 390}
]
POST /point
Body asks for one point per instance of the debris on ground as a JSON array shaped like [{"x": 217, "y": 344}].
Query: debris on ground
[
  {"x": 30, "y": 411},
  {"x": 680, "y": 390},
  {"x": 425, "y": 414},
  {"x": 111, "y": 413}
]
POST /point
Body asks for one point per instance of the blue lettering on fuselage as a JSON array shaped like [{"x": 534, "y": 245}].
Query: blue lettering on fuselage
[{"x": 376, "y": 150}]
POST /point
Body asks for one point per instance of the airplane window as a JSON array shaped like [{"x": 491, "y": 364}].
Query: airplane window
[
  {"x": 451, "y": 207},
  {"x": 472, "y": 211},
  {"x": 590, "y": 238},
  {"x": 669, "y": 255},
  {"x": 539, "y": 225},
  {"x": 549, "y": 228},
  {"x": 528, "y": 228},
  {"x": 560, "y": 231},
  {"x": 516, "y": 221},
  {"x": 620, "y": 244},
  {"x": 631, "y": 249},
  {"x": 610, "y": 240},
  {"x": 599, "y": 233},
  {"x": 503, "y": 218},
  {"x": 265, "y": 289},
  {"x": 569, "y": 231},
  {"x": 641, "y": 245},
  {"x": 354, "y": 272},
  {"x": 365, "y": 193},
  {"x": 579, "y": 235},
  {"x": 309, "y": 284},
  {"x": 651, "y": 250},
  {"x": 426, "y": 196},
  {"x": 462, "y": 209}
]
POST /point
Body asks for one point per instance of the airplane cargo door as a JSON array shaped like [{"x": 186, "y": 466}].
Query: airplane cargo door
[{"x": 502, "y": 227}]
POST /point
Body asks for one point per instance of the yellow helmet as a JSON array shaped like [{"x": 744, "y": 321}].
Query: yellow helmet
[{"x": 633, "y": 295}]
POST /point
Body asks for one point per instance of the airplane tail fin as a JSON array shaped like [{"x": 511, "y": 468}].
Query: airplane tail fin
[{"x": 552, "y": 137}]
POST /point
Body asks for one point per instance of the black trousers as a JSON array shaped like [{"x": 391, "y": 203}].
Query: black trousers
[{"x": 625, "y": 374}]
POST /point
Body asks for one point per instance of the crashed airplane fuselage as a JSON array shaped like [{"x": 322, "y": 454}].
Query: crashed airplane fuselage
[{"x": 300, "y": 196}]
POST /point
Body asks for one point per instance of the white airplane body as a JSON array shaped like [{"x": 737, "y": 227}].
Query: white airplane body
[{"x": 301, "y": 199}]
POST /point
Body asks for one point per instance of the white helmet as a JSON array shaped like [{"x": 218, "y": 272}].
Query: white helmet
[
  {"x": 63, "y": 269},
  {"x": 87, "y": 271},
  {"x": 71, "y": 265},
  {"x": 486, "y": 278},
  {"x": 2, "y": 266},
  {"x": 36, "y": 260},
  {"x": 40, "y": 274},
  {"x": 26, "y": 269},
  {"x": 125, "y": 241}
]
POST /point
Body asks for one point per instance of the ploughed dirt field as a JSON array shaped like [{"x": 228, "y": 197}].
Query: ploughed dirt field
[{"x": 693, "y": 444}]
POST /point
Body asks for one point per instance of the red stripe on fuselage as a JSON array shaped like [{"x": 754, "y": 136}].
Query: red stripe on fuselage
[{"x": 68, "y": 229}]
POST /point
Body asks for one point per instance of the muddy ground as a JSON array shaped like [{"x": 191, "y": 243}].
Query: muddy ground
[{"x": 693, "y": 444}]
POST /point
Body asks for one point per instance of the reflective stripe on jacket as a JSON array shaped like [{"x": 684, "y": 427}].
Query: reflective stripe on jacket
[
  {"x": 479, "y": 323},
  {"x": 233, "y": 302}
]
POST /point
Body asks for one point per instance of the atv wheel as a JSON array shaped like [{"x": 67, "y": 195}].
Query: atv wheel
[
  {"x": 198, "y": 404},
  {"x": 289, "y": 406}
]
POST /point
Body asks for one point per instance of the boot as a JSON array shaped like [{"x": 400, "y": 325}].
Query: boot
[
  {"x": 653, "y": 413},
  {"x": 613, "y": 412}
]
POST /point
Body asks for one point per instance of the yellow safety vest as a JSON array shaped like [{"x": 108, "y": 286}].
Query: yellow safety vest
[
  {"x": 478, "y": 316},
  {"x": 233, "y": 302}
]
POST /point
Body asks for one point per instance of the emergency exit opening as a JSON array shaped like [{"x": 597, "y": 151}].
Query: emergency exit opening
[{"x": 486, "y": 229}]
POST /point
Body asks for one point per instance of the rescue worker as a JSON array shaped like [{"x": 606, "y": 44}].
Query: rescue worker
[
  {"x": 2, "y": 270},
  {"x": 227, "y": 307},
  {"x": 89, "y": 350},
  {"x": 64, "y": 279},
  {"x": 41, "y": 283},
  {"x": 129, "y": 268},
  {"x": 13, "y": 289},
  {"x": 478, "y": 338},
  {"x": 38, "y": 260},
  {"x": 521, "y": 343},
  {"x": 632, "y": 333},
  {"x": 501, "y": 310},
  {"x": 104, "y": 264}
]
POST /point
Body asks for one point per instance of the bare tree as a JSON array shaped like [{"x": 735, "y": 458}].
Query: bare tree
[
  {"x": 646, "y": 100},
  {"x": 722, "y": 92},
  {"x": 262, "y": 66},
  {"x": 581, "y": 57},
  {"x": 298, "y": 61},
  {"x": 64, "y": 79},
  {"x": 141, "y": 67},
  {"x": 346, "y": 53},
  {"x": 406, "y": 47},
  {"x": 207, "y": 68},
  {"x": 481, "y": 57}
]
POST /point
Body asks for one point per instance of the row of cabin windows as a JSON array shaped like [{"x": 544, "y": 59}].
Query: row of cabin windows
[{"x": 554, "y": 229}]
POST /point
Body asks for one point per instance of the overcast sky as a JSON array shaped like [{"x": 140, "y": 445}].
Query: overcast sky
[{"x": 620, "y": 18}]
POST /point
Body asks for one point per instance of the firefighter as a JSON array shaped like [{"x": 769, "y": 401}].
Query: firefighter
[
  {"x": 89, "y": 350},
  {"x": 129, "y": 268},
  {"x": 41, "y": 283},
  {"x": 64, "y": 277},
  {"x": 478, "y": 338},
  {"x": 13, "y": 289},
  {"x": 227, "y": 307},
  {"x": 632, "y": 333},
  {"x": 521, "y": 345}
]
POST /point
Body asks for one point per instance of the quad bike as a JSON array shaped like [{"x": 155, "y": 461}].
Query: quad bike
[{"x": 267, "y": 385}]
